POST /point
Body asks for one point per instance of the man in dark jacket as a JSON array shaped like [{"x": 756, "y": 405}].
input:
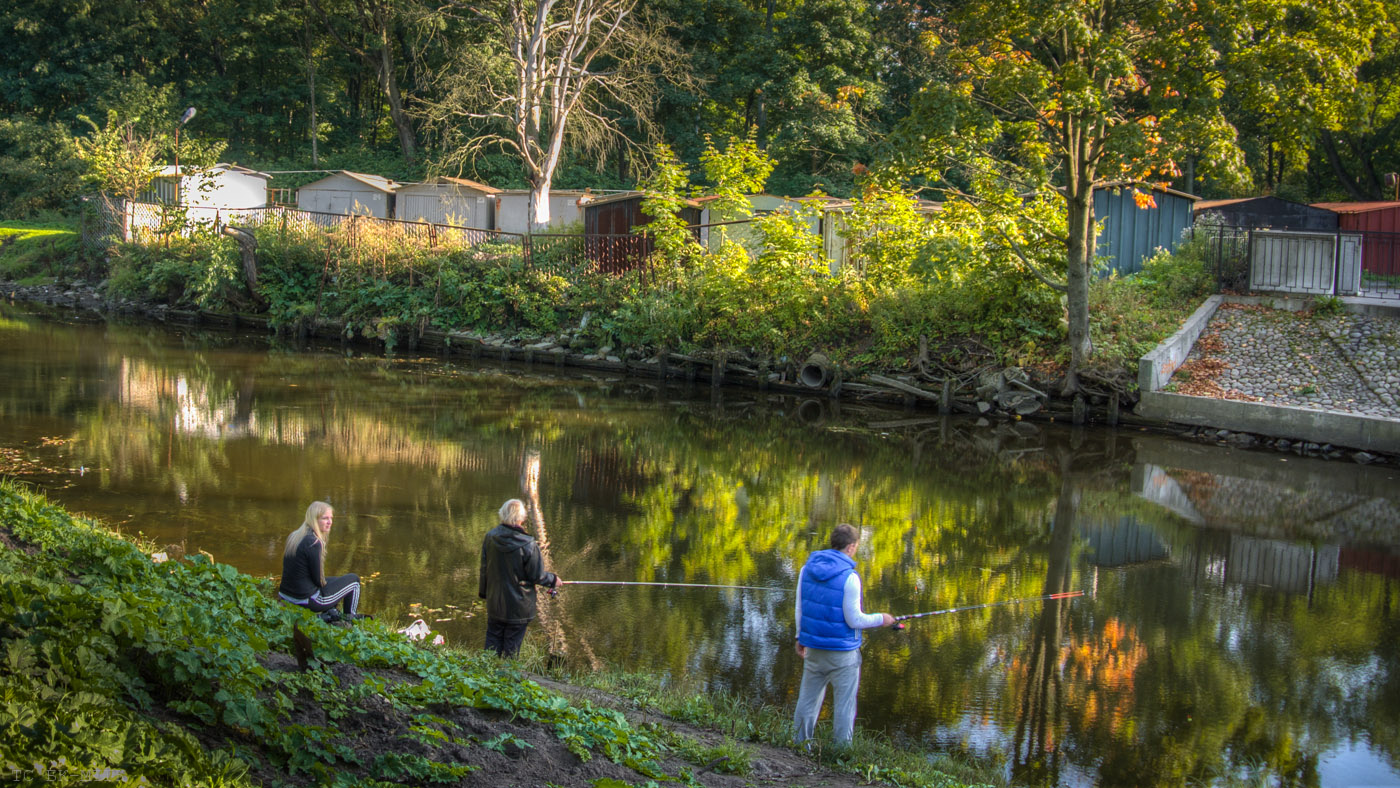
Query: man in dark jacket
[
  {"x": 511, "y": 567},
  {"x": 829, "y": 624}
]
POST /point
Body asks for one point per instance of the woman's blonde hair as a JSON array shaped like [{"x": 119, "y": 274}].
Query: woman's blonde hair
[{"x": 312, "y": 525}]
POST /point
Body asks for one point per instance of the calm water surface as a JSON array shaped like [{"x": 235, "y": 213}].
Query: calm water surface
[{"x": 1240, "y": 619}]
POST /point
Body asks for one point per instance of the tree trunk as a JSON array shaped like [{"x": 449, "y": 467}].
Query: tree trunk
[
  {"x": 763, "y": 99},
  {"x": 311, "y": 89},
  {"x": 539, "y": 200},
  {"x": 1080, "y": 206},
  {"x": 1329, "y": 146},
  {"x": 390, "y": 82},
  {"x": 1374, "y": 182},
  {"x": 248, "y": 251}
]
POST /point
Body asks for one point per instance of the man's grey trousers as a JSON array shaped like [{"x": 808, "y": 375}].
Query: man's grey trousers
[{"x": 840, "y": 669}]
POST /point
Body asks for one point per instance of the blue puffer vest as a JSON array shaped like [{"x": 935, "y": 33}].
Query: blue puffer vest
[{"x": 823, "y": 588}]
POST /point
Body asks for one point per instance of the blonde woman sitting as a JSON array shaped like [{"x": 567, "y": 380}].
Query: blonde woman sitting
[{"x": 304, "y": 580}]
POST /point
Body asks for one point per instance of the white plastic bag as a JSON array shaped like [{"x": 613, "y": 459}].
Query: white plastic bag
[{"x": 416, "y": 631}]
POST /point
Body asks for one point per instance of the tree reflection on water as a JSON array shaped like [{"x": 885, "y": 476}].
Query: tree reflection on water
[{"x": 1240, "y": 621}]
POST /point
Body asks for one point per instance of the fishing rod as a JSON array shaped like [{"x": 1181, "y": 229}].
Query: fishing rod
[
  {"x": 666, "y": 585},
  {"x": 1061, "y": 595}
]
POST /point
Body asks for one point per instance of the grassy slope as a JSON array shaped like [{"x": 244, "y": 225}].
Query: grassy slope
[
  {"x": 31, "y": 253},
  {"x": 180, "y": 673}
]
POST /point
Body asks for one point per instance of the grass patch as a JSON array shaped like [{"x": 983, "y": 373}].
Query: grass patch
[
  {"x": 39, "y": 252},
  {"x": 1129, "y": 316},
  {"x": 873, "y": 756}
]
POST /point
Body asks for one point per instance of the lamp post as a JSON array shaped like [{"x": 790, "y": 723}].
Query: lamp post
[{"x": 185, "y": 118}]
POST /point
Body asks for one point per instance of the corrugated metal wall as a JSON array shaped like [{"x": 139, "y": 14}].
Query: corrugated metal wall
[
  {"x": 1275, "y": 213},
  {"x": 1381, "y": 254},
  {"x": 608, "y": 229},
  {"x": 343, "y": 195},
  {"x": 1131, "y": 234}
]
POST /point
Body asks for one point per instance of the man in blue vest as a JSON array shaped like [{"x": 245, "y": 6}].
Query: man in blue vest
[{"x": 829, "y": 621}]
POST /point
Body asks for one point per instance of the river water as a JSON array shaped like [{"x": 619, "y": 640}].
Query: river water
[{"x": 1239, "y": 623}]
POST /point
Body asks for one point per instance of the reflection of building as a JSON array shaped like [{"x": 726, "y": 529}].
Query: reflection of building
[
  {"x": 1127, "y": 541},
  {"x": 1157, "y": 485},
  {"x": 1295, "y": 568},
  {"x": 158, "y": 391},
  {"x": 1259, "y": 496},
  {"x": 190, "y": 407},
  {"x": 1215, "y": 557},
  {"x": 1370, "y": 562},
  {"x": 1264, "y": 525}
]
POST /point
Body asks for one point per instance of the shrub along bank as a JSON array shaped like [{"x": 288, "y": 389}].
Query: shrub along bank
[
  {"x": 943, "y": 314},
  {"x": 122, "y": 670}
]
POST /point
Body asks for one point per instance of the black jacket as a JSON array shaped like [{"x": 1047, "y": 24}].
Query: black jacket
[
  {"x": 301, "y": 571},
  {"x": 510, "y": 569}
]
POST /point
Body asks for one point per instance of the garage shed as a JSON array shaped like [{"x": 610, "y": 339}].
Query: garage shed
[
  {"x": 1132, "y": 232},
  {"x": 454, "y": 201},
  {"x": 1267, "y": 212},
  {"x": 513, "y": 210},
  {"x": 349, "y": 193}
]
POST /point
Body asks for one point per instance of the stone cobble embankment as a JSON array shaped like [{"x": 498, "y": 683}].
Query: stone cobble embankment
[{"x": 1336, "y": 362}]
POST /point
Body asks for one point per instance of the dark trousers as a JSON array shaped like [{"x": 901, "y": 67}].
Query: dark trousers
[
  {"x": 505, "y": 637},
  {"x": 343, "y": 590}
]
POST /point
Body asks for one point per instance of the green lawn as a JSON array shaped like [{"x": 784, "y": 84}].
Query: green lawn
[{"x": 38, "y": 252}]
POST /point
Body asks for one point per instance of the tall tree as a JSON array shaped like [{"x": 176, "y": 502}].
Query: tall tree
[
  {"x": 61, "y": 59},
  {"x": 1292, "y": 78},
  {"x": 547, "y": 73},
  {"x": 1088, "y": 93},
  {"x": 1359, "y": 147},
  {"x": 369, "y": 30},
  {"x": 800, "y": 75}
]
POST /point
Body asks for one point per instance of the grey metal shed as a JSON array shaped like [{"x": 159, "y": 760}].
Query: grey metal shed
[
  {"x": 1131, "y": 233},
  {"x": 1267, "y": 212},
  {"x": 455, "y": 201},
  {"x": 348, "y": 193}
]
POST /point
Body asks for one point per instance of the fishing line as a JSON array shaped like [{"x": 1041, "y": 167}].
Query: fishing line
[
  {"x": 664, "y": 585},
  {"x": 1061, "y": 595}
]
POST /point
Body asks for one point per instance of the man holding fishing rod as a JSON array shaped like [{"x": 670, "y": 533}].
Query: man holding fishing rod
[
  {"x": 511, "y": 567},
  {"x": 829, "y": 624}
]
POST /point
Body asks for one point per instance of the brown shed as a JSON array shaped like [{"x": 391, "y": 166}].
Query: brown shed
[
  {"x": 608, "y": 223},
  {"x": 1379, "y": 222}
]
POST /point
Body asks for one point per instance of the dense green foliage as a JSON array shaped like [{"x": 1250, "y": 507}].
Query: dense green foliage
[
  {"x": 920, "y": 282},
  {"x": 96, "y": 637},
  {"x": 1306, "y": 90},
  {"x": 1012, "y": 114}
]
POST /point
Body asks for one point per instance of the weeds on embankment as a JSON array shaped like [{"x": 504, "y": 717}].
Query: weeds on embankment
[{"x": 120, "y": 667}]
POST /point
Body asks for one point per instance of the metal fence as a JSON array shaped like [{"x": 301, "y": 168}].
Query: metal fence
[
  {"x": 1340, "y": 263},
  {"x": 109, "y": 221},
  {"x": 115, "y": 220}
]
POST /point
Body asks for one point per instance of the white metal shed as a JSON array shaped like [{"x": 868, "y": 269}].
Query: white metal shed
[
  {"x": 513, "y": 209},
  {"x": 822, "y": 217},
  {"x": 205, "y": 192},
  {"x": 349, "y": 193},
  {"x": 454, "y": 201},
  {"x": 220, "y": 186}
]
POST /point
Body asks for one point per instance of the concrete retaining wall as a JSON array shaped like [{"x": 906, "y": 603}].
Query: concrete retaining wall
[
  {"x": 1279, "y": 421},
  {"x": 1156, "y": 368}
]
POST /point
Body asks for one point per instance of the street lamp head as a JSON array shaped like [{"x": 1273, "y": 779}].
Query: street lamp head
[{"x": 189, "y": 114}]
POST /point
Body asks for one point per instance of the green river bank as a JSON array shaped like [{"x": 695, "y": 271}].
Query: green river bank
[{"x": 121, "y": 669}]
